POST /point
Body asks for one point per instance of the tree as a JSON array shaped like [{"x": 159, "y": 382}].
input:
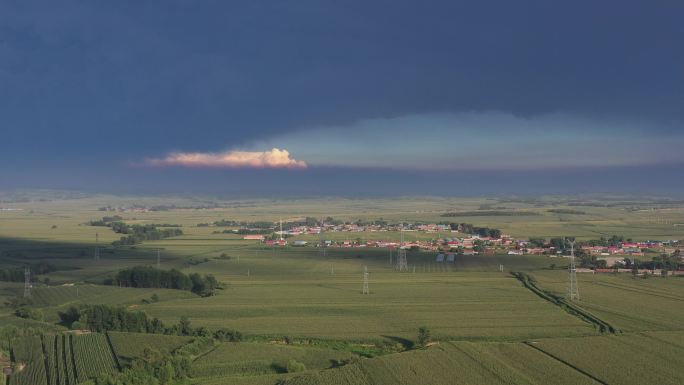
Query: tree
[
  {"x": 69, "y": 316},
  {"x": 184, "y": 327},
  {"x": 423, "y": 336},
  {"x": 537, "y": 242},
  {"x": 558, "y": 243},
  {"x": 293, "y": 366},
  {"x": 166, "y": 373}
]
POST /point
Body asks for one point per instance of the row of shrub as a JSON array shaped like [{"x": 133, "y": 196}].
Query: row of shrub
[
  {"x": 151, "y": 277},
  {"x": 104, "y": 318}
]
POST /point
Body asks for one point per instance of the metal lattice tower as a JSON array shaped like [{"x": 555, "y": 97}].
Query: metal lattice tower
[
  {"x": 158, "y": 258},
  {"x": 321, "y": 242},
  {"x": 27, "y": 282},
  {"x": 402, "y": 264},
  {"x": 573, "y": 292},
  {"x": 365, "y": 281},
  {"x": 96, "y": 256}
]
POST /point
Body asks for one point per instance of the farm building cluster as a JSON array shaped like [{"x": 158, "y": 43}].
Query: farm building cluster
[{"x": 449, "y": 240}]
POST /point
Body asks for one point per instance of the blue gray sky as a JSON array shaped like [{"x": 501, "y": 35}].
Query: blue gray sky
[{"x": 473, "y": 97}]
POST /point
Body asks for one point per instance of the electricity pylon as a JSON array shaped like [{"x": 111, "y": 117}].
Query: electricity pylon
[
  {"x": 573, "y": 292},
  {"x": 402, "y": 264}
]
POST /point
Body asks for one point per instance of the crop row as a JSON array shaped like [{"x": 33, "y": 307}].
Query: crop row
[
  {"x": 61, "y": 359},
  {"x": 92, "y": 356},
  {"x": 29, "y": 368}
]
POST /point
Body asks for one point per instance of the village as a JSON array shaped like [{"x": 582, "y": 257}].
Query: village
[{"x": 449, "y": 241}]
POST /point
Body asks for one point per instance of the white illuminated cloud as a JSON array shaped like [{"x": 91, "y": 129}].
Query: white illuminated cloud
[{"x": 275, "y": 158}]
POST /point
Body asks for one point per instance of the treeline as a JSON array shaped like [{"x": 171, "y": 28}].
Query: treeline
[
  {"x": 154, "y": 367},
  {"x": 150, "y": 277},
  {"x": 16, "y": 274},
  {"x": 106, "y": 220},
  {"x": 245, "y": 231},
  {"x": 561, "y": 243},
  {"x": 468, "y": 228},
  {"x": 135, "y": 234},
  {"x": 146, "y": 233},
  {"x": 264, "y": 225},
  {"x": 490, "y": 213},
  {"x": 557, "y": 243},
  {"x": 253, "y": 225},
  {"x": 614, "y": 240},
  {"x": 104, "y": 318},
  {"x": 566, "y": 211}
]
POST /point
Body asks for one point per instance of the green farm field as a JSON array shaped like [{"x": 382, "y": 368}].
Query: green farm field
[{"x": 293, "y": 303}]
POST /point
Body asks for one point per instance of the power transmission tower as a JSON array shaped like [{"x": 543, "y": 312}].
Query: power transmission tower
[
  {"x": 97, "y": 247},
  {"x": 158, "y": 258},
  {"x": 390, "y": 250},
  {"x": 402, "y": 264},
  {"x": 321, "y": 242},
  {"x": 27, "y": 282},
  {"x": 365, "y": 281},
  {"x": 501, "y": 268},
  {"x": 573, "y": 292}
]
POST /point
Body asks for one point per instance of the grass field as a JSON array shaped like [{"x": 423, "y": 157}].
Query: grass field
[
  {"x": 655, "y": 358},
  {"x": 630, "y": 304},
  {"x": 454, "y": 363},
  {"x": 491, "y": 328},
  {"x": 231, "y": 360},
  {"x": 128, "y": 346},
  {"x": 636, "y": 359}
]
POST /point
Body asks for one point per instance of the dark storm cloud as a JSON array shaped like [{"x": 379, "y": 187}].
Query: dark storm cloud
[{"x": 85, "y": 83}]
